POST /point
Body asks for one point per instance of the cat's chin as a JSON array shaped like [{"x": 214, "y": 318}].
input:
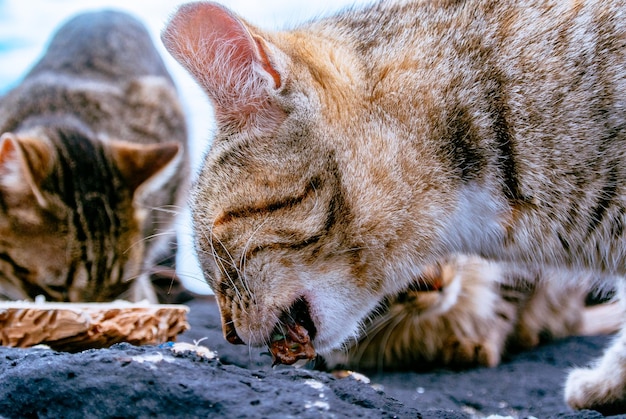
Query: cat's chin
[
  {"x": 300, "y": 316},
  {"x": 337, "y": 320}
]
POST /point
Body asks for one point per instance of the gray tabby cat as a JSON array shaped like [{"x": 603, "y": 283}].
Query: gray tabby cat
[
  {"x": 355, "y": 150},
  {"x": 92, "y": 165}
]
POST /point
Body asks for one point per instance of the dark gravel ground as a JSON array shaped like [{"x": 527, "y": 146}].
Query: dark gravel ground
[{"x": 126, "y": 381}]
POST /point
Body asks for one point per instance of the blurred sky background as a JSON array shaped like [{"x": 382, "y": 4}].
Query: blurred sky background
[{"x": 26, "y": 25}]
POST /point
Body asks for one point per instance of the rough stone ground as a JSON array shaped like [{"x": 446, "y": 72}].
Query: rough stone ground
[{"x": 126, "y": 381}]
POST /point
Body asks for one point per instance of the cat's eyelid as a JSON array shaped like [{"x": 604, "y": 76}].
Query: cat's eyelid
[{"x": 268, "y": 207}]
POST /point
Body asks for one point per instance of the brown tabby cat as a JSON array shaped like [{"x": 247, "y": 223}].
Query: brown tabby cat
[
  {"x": 466, "y": 311},
  {"x": 91, "y": 159},
  {"x": 355, "y": 150}
]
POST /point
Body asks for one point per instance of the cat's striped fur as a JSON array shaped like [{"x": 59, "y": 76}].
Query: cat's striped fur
[
  {"x": 371, "y": 144},
  {"x": 467, "y": 311},
  {"x": 92, "y": 165}
]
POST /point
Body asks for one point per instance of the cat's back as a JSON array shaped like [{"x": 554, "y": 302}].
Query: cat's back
[
  {"x": 102, "y": 44},
  {"x": 102, "y": 68},
  {"x": 419, "y": 35},
  {"x": 406, "y": 22}
]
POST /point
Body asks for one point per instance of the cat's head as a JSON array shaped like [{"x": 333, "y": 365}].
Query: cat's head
[
  {"x": 295, "y": 202},
  {"x": 69, "y": 227}
]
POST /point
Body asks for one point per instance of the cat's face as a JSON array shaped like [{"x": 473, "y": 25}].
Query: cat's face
[
  {"x": 286, "y": 209},
  {"x": 43, "y": 253},
  {"x": 69, "y": 229},
  {"x": 274, "y": 231}
]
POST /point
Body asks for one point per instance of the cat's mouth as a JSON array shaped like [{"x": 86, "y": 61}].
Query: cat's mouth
[{"x": 293, "y": 335}]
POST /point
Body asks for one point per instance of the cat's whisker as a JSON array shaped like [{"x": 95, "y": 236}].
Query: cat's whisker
[
  {"x": 378, "y": 333},
  {"x": 371, "y": 326},
  {"x": 253, "y": 338},
  {"x": 267, "y": 338},
  {"x": 138, "y": 242},
  {"x": 374, "y": 326},
  {"x": 242, "y": 260},
  {"x": 157, "y": 235},
  {"x": 174, "y": 210},
  {"x": 133, "y": 277},
  {"x": 220, "y": 262},
  {"x": 386, "y": 339}
]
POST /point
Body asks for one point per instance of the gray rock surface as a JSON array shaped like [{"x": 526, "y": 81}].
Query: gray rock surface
[{"x": 126, "y": 381}]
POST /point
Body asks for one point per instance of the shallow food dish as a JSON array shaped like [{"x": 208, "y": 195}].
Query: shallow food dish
[{"x": 78, "y": 326}]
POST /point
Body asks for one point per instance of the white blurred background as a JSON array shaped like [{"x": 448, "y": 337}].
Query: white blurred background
[{"x": 26, "y": 25}]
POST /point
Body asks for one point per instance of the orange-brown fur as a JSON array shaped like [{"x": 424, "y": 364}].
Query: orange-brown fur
[{"x": 424, "y": 128}]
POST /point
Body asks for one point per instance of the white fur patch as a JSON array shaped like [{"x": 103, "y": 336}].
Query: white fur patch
[{"x": 476, "y": 222}]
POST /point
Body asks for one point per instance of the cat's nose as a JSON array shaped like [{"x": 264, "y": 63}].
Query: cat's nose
[
  {"x": 228, "y": 327},
  {"x": 231, "y": 335}
]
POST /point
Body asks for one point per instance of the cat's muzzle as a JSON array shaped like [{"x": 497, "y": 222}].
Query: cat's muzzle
[{"x": 293, "y": 335}]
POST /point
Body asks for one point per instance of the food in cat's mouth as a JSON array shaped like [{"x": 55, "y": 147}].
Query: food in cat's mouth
[{"x": 292, "y": 336}]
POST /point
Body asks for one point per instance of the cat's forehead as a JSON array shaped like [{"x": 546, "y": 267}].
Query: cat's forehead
[
  {"x": 249, "y": 182},
  {"x": 273, "y": 160}
]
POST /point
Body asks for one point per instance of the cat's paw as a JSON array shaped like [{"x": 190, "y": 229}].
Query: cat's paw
[
  {"x": 466, "y": 353},
  {"x": 596, "y": 389}
]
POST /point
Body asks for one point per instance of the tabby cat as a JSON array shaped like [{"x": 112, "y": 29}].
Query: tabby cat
[
  {"x": 466, "y": 311},
  {"x": 92, "y": 165},
  {"x": 354, "y": 150}
]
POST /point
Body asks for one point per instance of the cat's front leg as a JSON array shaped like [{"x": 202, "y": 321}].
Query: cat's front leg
[{"x": 602, "y": 387}]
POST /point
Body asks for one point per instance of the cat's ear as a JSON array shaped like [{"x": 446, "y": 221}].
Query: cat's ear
[
  {"x": 139, "y": 162},
  {"x": 24, "y": 164},
  {"x": 235, "y": 66}
]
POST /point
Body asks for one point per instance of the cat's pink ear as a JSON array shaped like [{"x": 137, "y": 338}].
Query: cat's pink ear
[
  {"x": 24, "y": 164},
  {"x": 233, "y": 65},
  {"x": 139, "y": 162}
]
